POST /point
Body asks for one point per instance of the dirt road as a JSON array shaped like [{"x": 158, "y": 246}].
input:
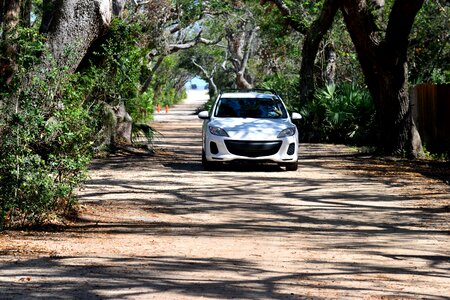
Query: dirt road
[{"x": 159, "y": 227}]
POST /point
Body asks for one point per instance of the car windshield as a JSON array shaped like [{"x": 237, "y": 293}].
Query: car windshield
[{"x": 250, "y": 108}]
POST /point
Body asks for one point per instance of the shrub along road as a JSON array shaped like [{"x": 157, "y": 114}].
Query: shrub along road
[{"x": 342, "y": 226}]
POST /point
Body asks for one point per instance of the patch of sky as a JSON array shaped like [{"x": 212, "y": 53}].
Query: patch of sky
[{"x": 196, "y": 83}]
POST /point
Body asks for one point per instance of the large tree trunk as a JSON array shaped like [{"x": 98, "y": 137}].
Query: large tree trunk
[
  {"x": 394, "y": 119},
  {"x": 384, "y": 64},
  {"x": 72, "y": 26},
  {"x": 11, "y": 15},
  {"x": 10, "y": 11},
  {"x": 124, "y": 125}
]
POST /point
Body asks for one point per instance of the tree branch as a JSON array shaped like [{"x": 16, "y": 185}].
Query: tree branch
[
  {"x": 248, "y": 49},
  {"x": 287, "y": 15},
  {"x": 206, "y": 73},
  {"x": 400, "y": 23},
  {"x": 311, "y": 46},
  {"x": 147, "y": 82},
  {"x": 191, "y": 43}
]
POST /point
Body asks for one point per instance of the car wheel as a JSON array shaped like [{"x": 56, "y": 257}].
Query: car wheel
[
  {"x": 292, "y": 166},
  {"x": 207, "y": 165}
]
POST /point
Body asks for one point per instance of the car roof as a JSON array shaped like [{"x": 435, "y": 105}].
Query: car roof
[{"x": 247, "y": 95}]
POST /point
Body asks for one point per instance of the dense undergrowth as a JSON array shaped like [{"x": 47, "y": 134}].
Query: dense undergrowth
[
  {"x": 46, "y": 129},
  {"x": 51, "y": 120}
]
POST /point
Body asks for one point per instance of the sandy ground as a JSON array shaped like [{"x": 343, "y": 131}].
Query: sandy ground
[{"x": 343, "y": 226}]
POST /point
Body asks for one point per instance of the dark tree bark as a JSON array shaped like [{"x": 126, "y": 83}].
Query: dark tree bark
[
  {"x": 384, "y": 64},
  {"x": 48, "y": 7},
  {"x": 2, "y": 7},
  {"x": 11, "y": 16},
  {"x": 118, "y": 6},
  {"x": 25, "y": 12},
  {"x": 311, "y": 45}
]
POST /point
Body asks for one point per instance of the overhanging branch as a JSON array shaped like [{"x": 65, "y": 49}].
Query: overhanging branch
[
  {"x": 287, "y": 15},
  {"x": 191, "y": 43}
]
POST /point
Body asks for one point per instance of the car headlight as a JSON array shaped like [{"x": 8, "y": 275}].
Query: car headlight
[
  {"x": 217, "y": 131},
  {"x": 287, "y": 132}
]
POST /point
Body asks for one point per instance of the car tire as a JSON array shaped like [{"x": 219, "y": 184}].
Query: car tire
[
  {"x": 292, "y": 166},
  {"x": 208, "y": 165}
]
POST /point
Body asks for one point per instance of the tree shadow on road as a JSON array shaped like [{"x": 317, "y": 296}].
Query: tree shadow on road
[
  {"x": 147, "y": 276},
  {"x": 356, "y": 213}
]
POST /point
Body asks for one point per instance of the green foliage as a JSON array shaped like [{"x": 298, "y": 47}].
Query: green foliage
[
  {"x": 286, "y": 86},
  {"x": 440, "y": 152},
  {"x": 140, "y": 107},
  {"x": 116, "y": 78},
  {"x": 30, "y": 45},
  {"x": 340, "y": 114},
  {"x": 121, "y": 67},
  {"x": 46, "y": 132},
  {"x": 429, "y": 54},
  {"x": 348, "y": 68},
  {"x": 191, "y": 10},
  {"x": 168, "y": 83}
]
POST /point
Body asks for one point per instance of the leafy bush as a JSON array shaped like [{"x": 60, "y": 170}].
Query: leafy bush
[
  {"x": 286, "y": 86},
  {"x": 170, "y": 96},
  {"x": 168, "y": 83},
  {"x": 117, "y": 69},
  {"x": 46, "y": 131},
  {"x": 44, "y": 156},
  {"x": 340, "y": 114},
  {"x": 438, "y": 151}
]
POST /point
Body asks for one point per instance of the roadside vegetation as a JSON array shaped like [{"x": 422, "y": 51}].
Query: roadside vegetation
[{"x": 73, "y": 85}]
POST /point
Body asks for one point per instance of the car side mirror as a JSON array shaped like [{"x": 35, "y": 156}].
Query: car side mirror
[
  {"x": 296, "y": 116},
  {"x": 204, "y": 115}
]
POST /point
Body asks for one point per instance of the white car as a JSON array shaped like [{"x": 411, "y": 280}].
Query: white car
[{"x": 251, "y": 125}]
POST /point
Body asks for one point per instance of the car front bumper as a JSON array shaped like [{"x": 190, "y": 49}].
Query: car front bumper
[{"x": 280, "y": 150}]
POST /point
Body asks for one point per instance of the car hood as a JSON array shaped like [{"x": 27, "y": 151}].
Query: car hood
[{"x": 250, "y": 128}]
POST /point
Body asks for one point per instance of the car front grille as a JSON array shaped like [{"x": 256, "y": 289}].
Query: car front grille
[{"x": 253, "y": 148}]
